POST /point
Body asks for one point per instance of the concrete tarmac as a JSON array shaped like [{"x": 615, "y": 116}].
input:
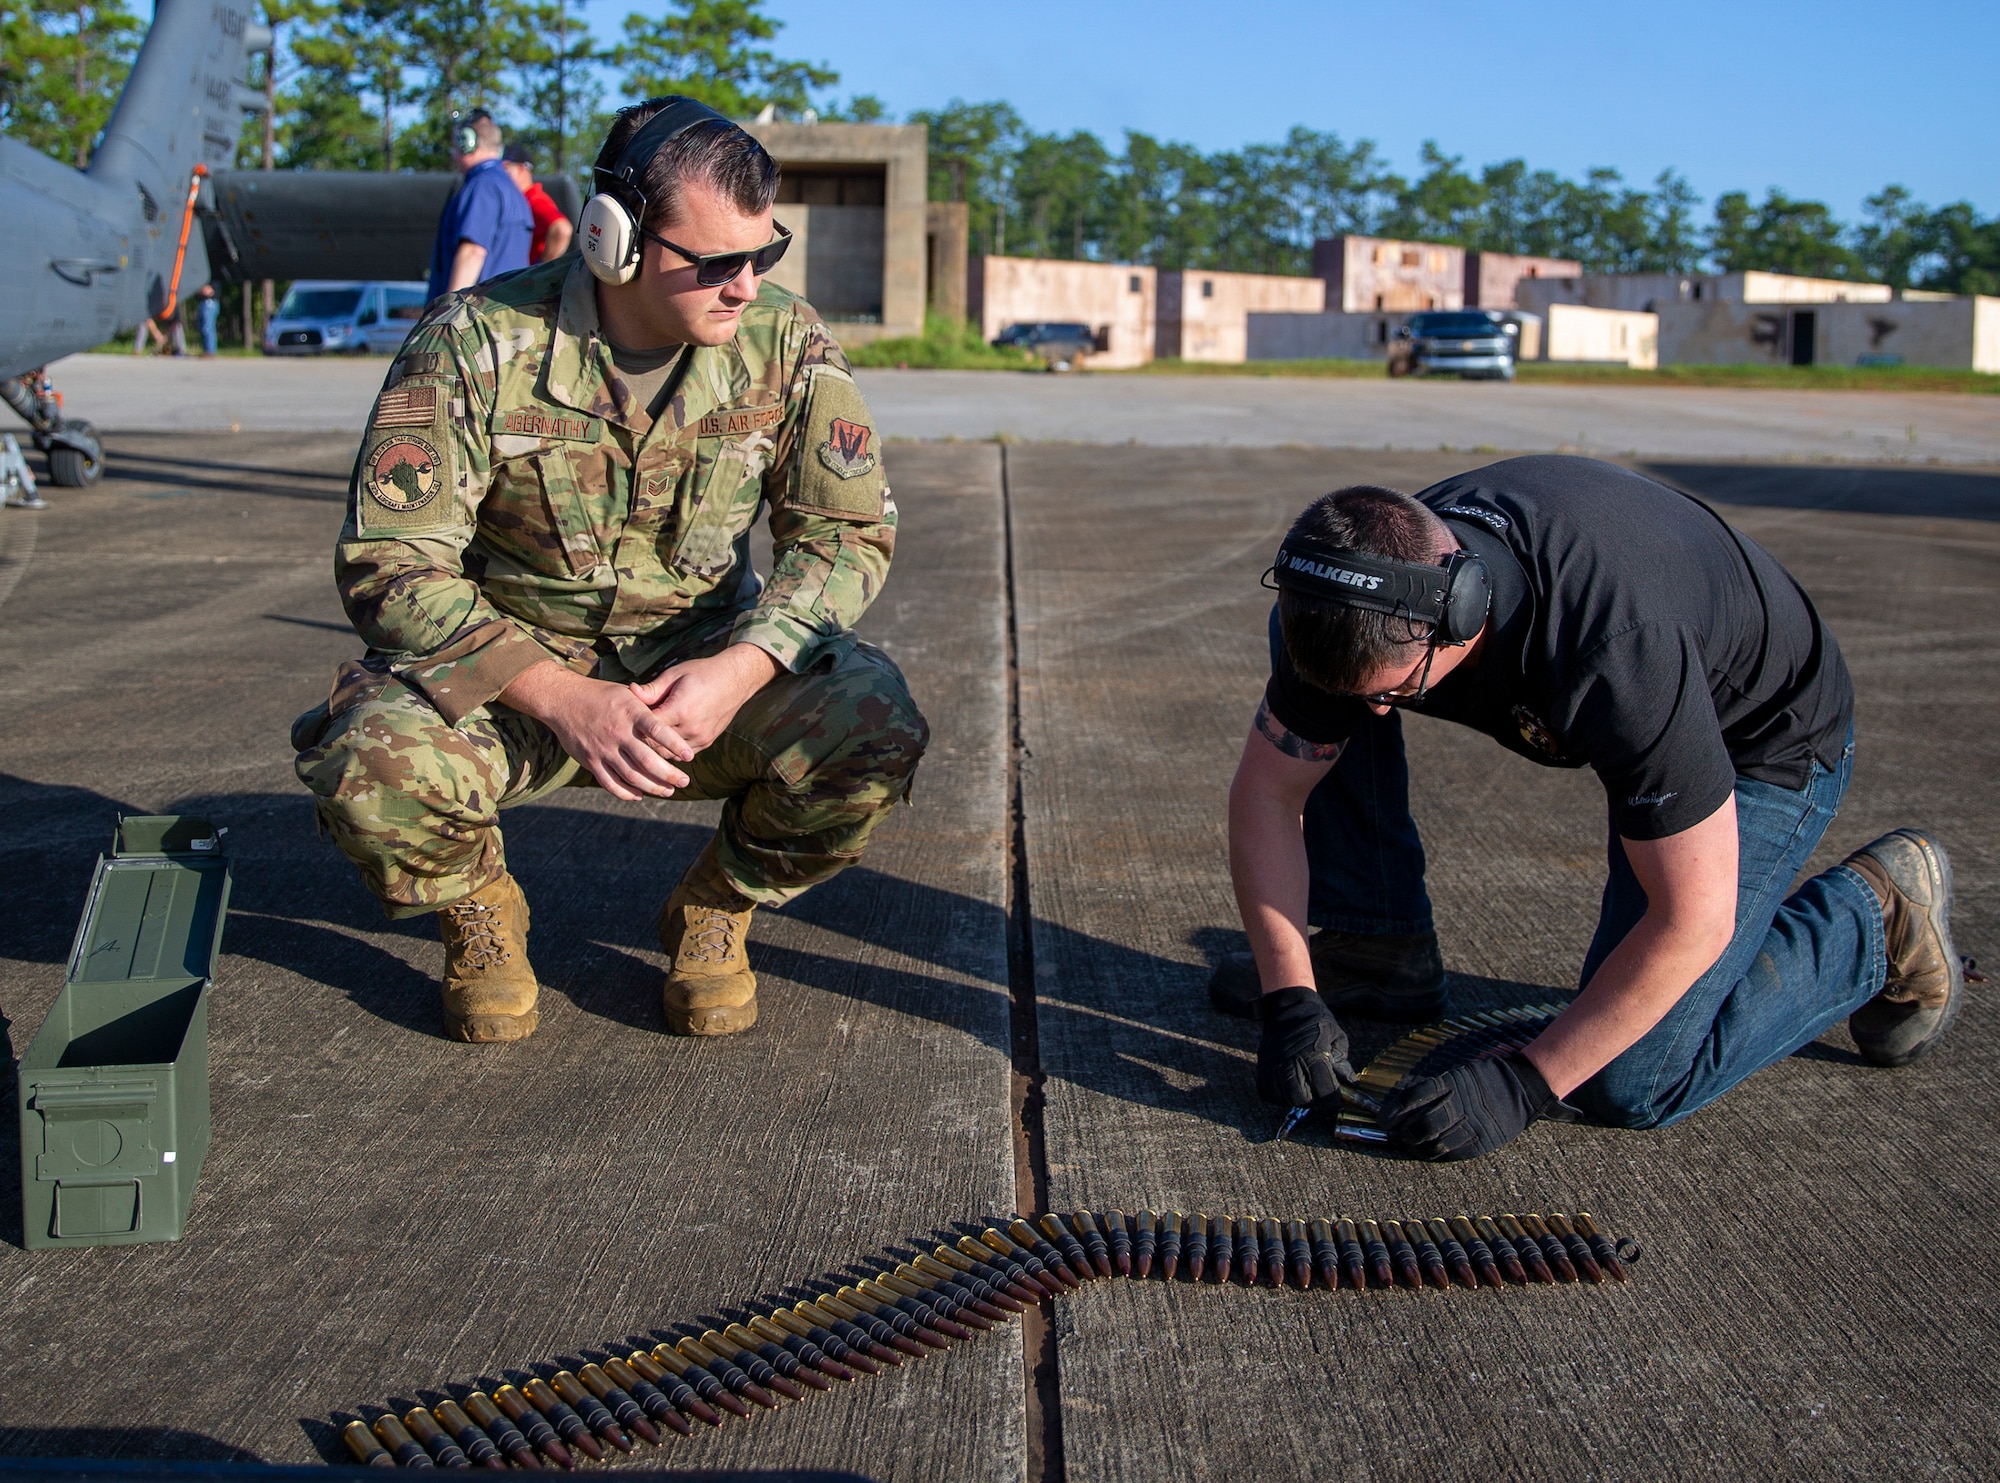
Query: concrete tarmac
[
  {"x": 150, "y": 395},
  {"x": 386, "y": 1215}
]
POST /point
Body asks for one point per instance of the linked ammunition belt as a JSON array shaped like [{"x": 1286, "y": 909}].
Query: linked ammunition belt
[
  {"x": 1426, "y": 1052},
  {"x": 949, "y": 1295}
]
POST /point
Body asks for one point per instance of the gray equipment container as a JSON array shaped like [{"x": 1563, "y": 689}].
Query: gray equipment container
[{"x": 114, "y": 1087}]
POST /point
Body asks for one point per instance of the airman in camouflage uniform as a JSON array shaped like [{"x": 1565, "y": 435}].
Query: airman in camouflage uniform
[{"x": 514, "y": 502}]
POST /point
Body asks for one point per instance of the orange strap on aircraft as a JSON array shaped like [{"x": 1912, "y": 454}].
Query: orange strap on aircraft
[{"x": 180, "y": 254}]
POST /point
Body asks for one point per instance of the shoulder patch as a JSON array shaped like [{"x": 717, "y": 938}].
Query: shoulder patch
[
  {"x": 837, "y": 468},
  {"x": 404, "y": 484}
]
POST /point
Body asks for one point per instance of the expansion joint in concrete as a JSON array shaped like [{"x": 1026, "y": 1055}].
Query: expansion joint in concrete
[{"x": 1031, "y": 1164}]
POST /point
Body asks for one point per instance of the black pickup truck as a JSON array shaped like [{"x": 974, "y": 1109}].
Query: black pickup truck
[{"x": 1475, "y": 344}]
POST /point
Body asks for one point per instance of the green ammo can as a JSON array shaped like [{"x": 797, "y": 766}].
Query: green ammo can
[{"x": 114, "y": 1087}]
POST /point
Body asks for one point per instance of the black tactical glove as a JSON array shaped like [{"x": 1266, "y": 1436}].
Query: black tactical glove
[
  {"x": 1470, "y": 1110},
  {"x": 1302, "y": 1057}
]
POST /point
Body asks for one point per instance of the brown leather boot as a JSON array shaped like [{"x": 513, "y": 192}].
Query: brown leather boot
[
  {"x": 705, "y": 929},
  {"x": 1911, "y": 877},
  {"x": 489, "y": 986}
]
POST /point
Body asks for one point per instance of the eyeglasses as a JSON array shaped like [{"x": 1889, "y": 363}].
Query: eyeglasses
[
  {"x": 1403, "y": 694},
  {"x": 713, "y": 269}
]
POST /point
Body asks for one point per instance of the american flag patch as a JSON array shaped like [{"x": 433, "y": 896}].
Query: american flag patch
[{"x": 407, "y": 406}]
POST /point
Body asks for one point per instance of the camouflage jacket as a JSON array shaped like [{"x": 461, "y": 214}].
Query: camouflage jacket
[{"x": 513, "y": 502}]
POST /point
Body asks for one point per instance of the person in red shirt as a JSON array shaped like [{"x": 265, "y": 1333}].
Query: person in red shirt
[{"x": 552, "y": 228}]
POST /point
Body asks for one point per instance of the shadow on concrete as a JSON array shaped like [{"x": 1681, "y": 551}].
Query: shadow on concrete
[
  {"x": 1937, "y": 493},
  {"x": 161, "y": 1443}
]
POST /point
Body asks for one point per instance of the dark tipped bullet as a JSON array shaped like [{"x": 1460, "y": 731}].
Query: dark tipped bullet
[
  {"x": 1375, "y": 1252},
  {"x": 1457, "y": 1260},
  {"x": 782, "y": 1358},
  {"x": 1096, "y": 1244},
  {"x": 776, "y": 1377},
  {"x": 677, "y": 1383},
  {"x": 1428, "y": 1256},
  {"x": 1552, "y": 1249},
  {"x": 651, "y": 1399},
  {"x": 813, "y": 1327},
  {"x": 571, "y": 1427},
  {"x": 933, "y": 1310},
  {"x": 1353, "y": 1260},
  {"x": 1580, "y": 1254},
  {"x": 1298, "y": 1252},
  {"x": 999, "y": 1270},
  {"x": 470, "y": 1436},
  {"x": 1271, "y": 1250},
  {"x": 596, "y": 1415},
  {"x": 1121, "y": 1242},
  {"x": 619, "y": 1402},
  {"x": 1144, "y": 1243},
  {"x": 1601, "y": 1248},
  {"x": 804, "y": 1350},
  {"x": 1173, "y": 1227},
  {"x": 727, "y": 1371},
  {"x": 1248, "y": 1260},
  {"x": 1502, "y": 1248},
  {"x": 1325, "y": 1251},
  {"x": 884, "y": 1327},
  {"x": 508, "y": 1437},
  {"x": 1073, "y": 1255},
  {"x": 706, "y": 1387},
  {"x": 361, "y": 1442},
  {"x": 1403, "y": 1254},
  {"x": 954, "y": 1290},
  {"x": 534, "y": 1424},
  {"x": 1025, "y": 1236},
  {"x": 1222, "y": 1246},
  {"x": 859, "y": 1330},
  {"x": 928, "y": 1326},
  {"x": 404, "y": 1448},
  {"x": 1483, "y": 1260},
  {"x": 983, "y": 1283},
  {"x": 423, "y": 1426},
  {"x": 1197, "y": 1245},
  {"x": 1528, "y": 1248}
]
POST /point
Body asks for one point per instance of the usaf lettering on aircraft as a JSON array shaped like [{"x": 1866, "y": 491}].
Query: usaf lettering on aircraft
[{"x": 1334, "y": 574}]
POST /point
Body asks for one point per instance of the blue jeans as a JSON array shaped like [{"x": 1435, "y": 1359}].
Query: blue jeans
[{"x": 1799, "y": 962}]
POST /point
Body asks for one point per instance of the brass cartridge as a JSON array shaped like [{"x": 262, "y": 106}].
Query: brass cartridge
[
  {"x": 954, "y": 1287},
  {"x": 889, "y": 1347},
  {"x": 1222, "y": 1246},
  {"x": 406, "y": 1449},
  {"x": 423, "y": 1426},
  {"x": 1353, "y": 1260},
  {"x": 1249, "y": 1250},
  {"x": 470, "y": 1436},
  {"x": 1096, "y": 1245},
  {"x": 1025, "y": 1236},
  {"x": 1298, "y": 1251},
  {"x": 816, "y": 1328},
  {"x": 1579, "y": 1249},
  {"x": 651, "y": 1399},
  {"x": 1529, "y": 1249},
  {"x": 804, "y": 1350},
  {"x": 1325, "y": 1251},
  {"x": 596, "y": 1415},
  {"x": 508, "y": 1437},
  {"x": 569, "y": 1426},
  {"x": 1005, "y": 1275},
  {"x": 1502, "y": 1248},
  {"x": 1428, "y": 1256},
  {"x": 1375, "y": 1255},
  {"x": 784, "y": 1362},
  {"x": 1601, "y": 1248},
  {"x": 1197, "y": 1245},
  {"x": 1457, "y": 1260},
  {"x": 1145, "y": 1241},
  {"x": 1021, "y": 1266},
  {"x": 727, "y": 1371},
  {"x": 885, "y": 1324},
  {"x": 1483, "y": 1260},
  {"x": 361, "y": 1442},
  {"x": 1403, "y": 1254},
  {"x": 1073, "y": 1255},
  {"x": 1173, "y": 1228},
  {"x": 1121, "y": 1242},
  {"x": 1552, "y": 1248},
  {"x": 621, "y": 1413},
  {"x": 703, "y": 1380},
  {"x": 534, "y": 1424},
  {"x": 990, "y": 1296},
  {"x": 1271, "y": 1250},
  {"x": 931, "y": 1310},
  {"x": 760, "y": 1369},
  {"x": 687, "y": 1397}
]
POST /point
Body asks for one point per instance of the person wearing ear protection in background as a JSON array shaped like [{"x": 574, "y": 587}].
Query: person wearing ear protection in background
[
  {"x": 486, "y": 227},
  {"x": 1581, "y": 615},
  {"x": 547, "y": 551}
]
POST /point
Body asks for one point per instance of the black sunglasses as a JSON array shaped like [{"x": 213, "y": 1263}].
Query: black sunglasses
[
  {"x": 713, "y": 269},
  {"x": 1402, "y": 694}
]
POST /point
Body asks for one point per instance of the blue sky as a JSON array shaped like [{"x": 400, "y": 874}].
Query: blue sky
[{"x": 1829, "y": 100}]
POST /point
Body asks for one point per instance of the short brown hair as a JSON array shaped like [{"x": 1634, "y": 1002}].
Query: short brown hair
[
  {"x": 1332, "y": 645},
  {"x": 722, "y": 156}
]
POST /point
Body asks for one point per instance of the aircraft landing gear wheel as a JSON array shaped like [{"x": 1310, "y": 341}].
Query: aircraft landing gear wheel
[{"x": 71, "y": 467}]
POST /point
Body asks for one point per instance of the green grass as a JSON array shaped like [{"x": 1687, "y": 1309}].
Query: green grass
[
  {"x": 1558, "y": 373},
  {"x": 945, "y": 345}
]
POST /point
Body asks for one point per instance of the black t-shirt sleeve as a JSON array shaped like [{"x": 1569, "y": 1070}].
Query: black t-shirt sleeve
[
  {"x": 1306, "y": 710},
  {"x": 1646, "y": 721}
]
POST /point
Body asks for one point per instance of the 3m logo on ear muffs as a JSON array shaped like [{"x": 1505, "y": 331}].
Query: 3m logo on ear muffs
[{"x": 610, "y": 222}]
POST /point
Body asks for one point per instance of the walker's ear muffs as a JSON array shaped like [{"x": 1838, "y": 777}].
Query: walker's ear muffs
[
  {"x": 609, "y": 227},
  {"x": 1449, "y": 600},
  {"x": 464, "y": 137}
]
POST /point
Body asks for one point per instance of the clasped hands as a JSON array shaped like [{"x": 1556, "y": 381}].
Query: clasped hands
[
  {"x": 1467, "y": 1111},
  {"x": 632, "y": 737}
]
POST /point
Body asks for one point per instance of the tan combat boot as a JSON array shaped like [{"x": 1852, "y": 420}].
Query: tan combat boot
[
  {"x": 704, "y": 928},
  {"x": 489, "y": 986},
  {"x": 1911, "y": 876}
]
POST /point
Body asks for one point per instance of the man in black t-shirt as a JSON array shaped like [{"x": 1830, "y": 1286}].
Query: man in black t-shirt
[{"x": 1582, "y": 616}]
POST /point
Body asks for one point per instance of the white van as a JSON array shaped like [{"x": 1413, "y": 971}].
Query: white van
[{"x": 326, "y": 317}]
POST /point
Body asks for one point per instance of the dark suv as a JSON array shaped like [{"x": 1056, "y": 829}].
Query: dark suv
[
  {"x": 1476, "y": 344},
  {"x": 1061, "y": 346}
]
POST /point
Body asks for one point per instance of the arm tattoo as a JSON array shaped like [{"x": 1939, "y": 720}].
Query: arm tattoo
[{"x": 1290, "y": 742}]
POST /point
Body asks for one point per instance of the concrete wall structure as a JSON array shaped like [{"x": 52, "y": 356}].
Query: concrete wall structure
[
  {"x": 1333, "y": 335},
  {"x": 1205, "y": 316},
  {"x": 1956, "y": 333},
  {"x": 1376, "y": 274},
  {"x": 1626, "y": 337},
  {"x": 1117, "y": 300},
  {"x": 853, "y": 195},
  {"x": 1649, "y": 291},
  {"x": 946, "y": 230},
  {"x": 1491, "y": 277}
]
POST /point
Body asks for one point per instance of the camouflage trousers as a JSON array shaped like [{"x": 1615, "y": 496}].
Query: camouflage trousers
[{"x": 806, "y": 770}]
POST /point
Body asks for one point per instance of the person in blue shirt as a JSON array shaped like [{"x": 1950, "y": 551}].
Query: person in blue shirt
[
  {"x": 486, "y": 225},
  {"x": 208, "y": 309}
]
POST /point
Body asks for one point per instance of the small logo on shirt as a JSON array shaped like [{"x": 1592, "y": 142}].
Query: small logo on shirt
[
  {"x": 1649, "y": 800},
  {"x": 1326, "y": 573},
  {"x": 1535, "y": 732},
  {"x": 1492, "y": 519},
  {"x": 845, "y": 450},
  {"x": 403, "y": 473}
]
